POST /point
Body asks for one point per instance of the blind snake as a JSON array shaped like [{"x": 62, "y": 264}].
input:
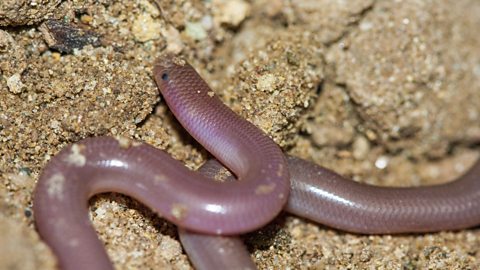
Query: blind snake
[{"x": 269, "y": 181}]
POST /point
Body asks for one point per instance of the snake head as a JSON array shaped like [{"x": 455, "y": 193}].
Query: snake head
[{"x": 166, "y": 68}]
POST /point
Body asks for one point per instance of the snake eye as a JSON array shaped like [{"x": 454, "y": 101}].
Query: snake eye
[{"x": 165, "y": 76}]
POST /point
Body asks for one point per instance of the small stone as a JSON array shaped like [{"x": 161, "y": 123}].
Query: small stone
[
  {"x": 230, "y": 12},
  {"x": 361, "y": 146},
  {"x": 15, "y": 84},
  {"x": 146, "y": 28},
  {"x": 195, "y": 31},
  {"x": 174, "y": 41},
  {"x": 382, "y": 162},
  {"x": 66, "y": 37},
  {"x": 86, "y": 19},
  {"x": 267, "y": 83},
  {"x": 169, "y": 248}
]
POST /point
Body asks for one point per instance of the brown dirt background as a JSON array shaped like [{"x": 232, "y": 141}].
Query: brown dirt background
[{"x": 385, "y": 92}]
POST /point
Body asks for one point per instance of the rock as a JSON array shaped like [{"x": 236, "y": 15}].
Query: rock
[
  {"x": 146, "y": 28},
  {"x": 66, "y": 37},
  {"x": 230, "y": 12}
]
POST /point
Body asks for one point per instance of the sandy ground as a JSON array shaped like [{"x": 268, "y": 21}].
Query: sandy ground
[{"x": 385, "y": 92}]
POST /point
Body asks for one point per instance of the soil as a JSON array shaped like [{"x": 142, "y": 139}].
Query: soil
[{"x": 384, "y": 92}]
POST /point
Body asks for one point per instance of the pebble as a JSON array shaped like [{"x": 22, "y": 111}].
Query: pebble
[{"x": 230, "y": 12}]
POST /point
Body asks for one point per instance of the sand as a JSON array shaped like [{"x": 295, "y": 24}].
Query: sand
[{"x": 384, "y": 92}]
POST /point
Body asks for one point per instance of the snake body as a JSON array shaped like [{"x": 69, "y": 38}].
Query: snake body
[{"x": 198, "y": 205}]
